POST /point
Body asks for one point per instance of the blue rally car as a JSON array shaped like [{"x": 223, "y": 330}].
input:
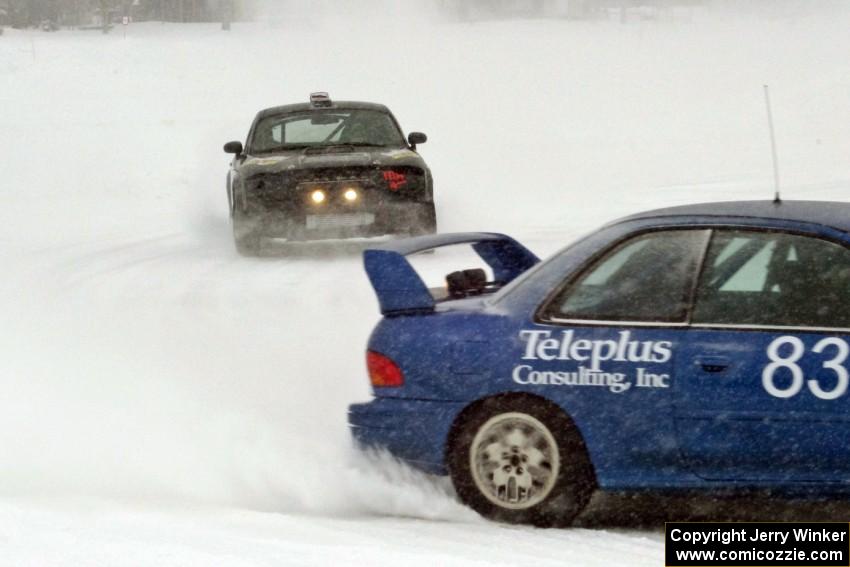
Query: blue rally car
[{"x": 697, "y": 347}]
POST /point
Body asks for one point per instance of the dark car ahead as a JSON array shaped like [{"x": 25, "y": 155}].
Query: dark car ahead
[{"x": 327, "y": 169}]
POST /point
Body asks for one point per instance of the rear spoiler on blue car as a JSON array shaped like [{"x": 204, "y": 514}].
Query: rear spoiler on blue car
[{"x": 399, "y": 288}]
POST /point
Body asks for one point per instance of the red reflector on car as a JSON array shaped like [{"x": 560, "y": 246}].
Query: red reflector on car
[
  {"x": 383, "y": 372},
  {"x": 395, "y": 179}
]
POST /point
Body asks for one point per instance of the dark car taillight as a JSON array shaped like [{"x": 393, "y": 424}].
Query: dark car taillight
[
  {"x": 395, "y": 179},
  {"x": 383, "y": 372}
]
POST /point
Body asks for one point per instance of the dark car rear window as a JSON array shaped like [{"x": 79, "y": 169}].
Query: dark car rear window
[{"x": 330, "y": 126}]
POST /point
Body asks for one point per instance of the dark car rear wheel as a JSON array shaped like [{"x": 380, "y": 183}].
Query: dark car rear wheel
[
  {"x": 247, "y": 245},
  {"x": 246, "y": 238},
  {"x": 426, "y": 221},
  {"x": 519, "y": 459}
]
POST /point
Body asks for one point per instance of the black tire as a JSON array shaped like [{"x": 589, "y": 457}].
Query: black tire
[{"x": 554, "y": 502}]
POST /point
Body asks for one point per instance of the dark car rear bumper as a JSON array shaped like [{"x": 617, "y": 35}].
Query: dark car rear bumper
[{"x": 305, "y": 223}]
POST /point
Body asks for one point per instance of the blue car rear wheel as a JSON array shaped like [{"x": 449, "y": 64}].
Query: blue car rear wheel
[{"x": 519, "y": 459}]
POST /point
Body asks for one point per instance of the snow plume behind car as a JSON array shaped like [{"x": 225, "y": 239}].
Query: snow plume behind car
[{"x": 138, "y": 407}]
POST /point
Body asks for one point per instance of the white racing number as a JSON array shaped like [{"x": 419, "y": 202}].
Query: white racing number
[
  {"x": 836, "y": 365},
  {"x": 789, "y": 362}
]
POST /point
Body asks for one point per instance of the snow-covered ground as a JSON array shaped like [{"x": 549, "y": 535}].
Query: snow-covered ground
[{"x": 164, "y": 401}]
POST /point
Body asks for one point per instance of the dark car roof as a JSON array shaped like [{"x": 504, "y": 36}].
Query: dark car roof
[
  {"x": 300, "y": 106},
  {"x": 827, "y": 213}
]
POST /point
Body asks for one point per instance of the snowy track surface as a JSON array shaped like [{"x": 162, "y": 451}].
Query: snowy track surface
[{"x": 165, "y": 402}]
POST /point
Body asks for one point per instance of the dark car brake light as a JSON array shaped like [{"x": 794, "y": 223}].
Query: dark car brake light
[
  {"x": 383, "y": 372},
  {"x": 395, "y": 179}
]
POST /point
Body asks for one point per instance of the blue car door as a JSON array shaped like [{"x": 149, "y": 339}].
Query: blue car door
[
  {"x": 607, "y": 346},
  {"x": 761, "y": 389}
]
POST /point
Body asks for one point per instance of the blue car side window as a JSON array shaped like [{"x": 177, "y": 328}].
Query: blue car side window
[
  {"x": 773, "y": 279},
  {"x": 647, "y": 278}
]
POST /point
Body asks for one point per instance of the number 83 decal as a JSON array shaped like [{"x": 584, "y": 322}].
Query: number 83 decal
[{"x": 777, "y": 361}]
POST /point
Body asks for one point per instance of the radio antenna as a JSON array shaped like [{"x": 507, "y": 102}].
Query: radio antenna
[{"x": 776, "y": 198}]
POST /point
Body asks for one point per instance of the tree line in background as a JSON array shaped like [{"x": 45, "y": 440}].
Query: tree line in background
[
  {"x": 97, "y": 13},
  {"x": 627, "y": 10},
  {"x": 101, "y": 13},
  {"x": 571, "y": 9}
]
